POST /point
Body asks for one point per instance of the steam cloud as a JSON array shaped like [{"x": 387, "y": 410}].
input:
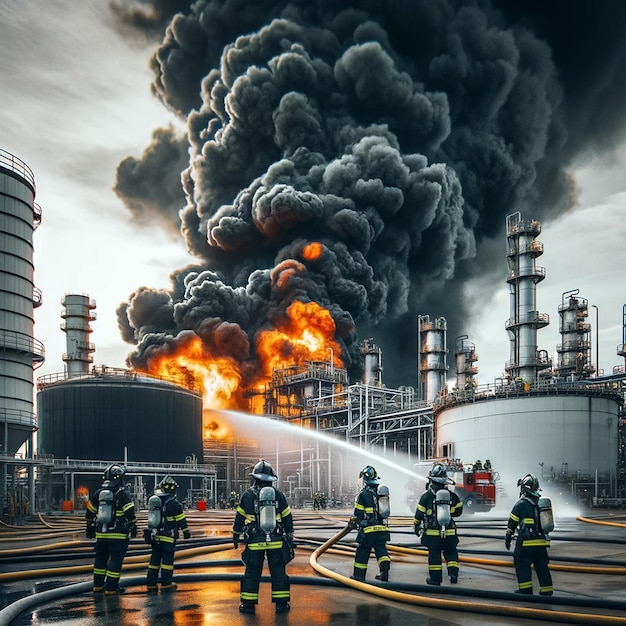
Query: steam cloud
[{"x": 398, "y": 134}]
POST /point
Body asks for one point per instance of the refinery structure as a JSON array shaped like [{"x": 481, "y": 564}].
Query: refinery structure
[{"x": 563, "y": 416}]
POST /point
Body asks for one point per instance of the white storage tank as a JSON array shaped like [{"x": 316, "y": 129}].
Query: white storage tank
[{"x": 567, "y": 436}]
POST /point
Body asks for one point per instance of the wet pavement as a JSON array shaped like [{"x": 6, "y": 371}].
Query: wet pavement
[{"x": 208, "y": 584}]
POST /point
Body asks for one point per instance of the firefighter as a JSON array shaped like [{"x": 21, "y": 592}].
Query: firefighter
[
  {"x": 373, "y": 531},
  {"x": 531, "y": 546},
  {"x": 435, "y": 524},
  {"x": 166, "y": 519},
  {"x": 264, "y": 518},
  {"x": 110, "y": 517}
]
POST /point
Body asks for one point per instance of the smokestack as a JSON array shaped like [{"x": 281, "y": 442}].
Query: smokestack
[
  {"x": 78, "y": 311},
  {"x": 431, "y": 355}
]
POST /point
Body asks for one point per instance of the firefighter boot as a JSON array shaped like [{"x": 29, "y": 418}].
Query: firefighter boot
[
  {"x": 282, "y": 607},
  {"x": 246, "y": 607},
  {"x": 430, "y": 581},
  {"x": 383, "y": 576}
]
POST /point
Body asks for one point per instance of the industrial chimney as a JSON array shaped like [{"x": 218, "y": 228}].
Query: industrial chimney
[
  {"x": 77, "y": 313},
  {"x": 522, "y": 250}
]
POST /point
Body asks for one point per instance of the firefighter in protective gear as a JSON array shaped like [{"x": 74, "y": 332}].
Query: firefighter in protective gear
[
  {"x": 373, "y": 532},
  {"x": 169, "y": 522},
  {"x": 531, "y": 546},
  {"x": 276, "y": 543},
  {"x": 110, "y": 517},
  {"x": 436, "y": 537}
]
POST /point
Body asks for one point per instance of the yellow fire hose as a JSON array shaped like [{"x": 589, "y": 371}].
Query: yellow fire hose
[{"x": 457, "y": 605}]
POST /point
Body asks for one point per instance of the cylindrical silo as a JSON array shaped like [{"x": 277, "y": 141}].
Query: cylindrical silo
[
  {"x": 465, "y": 357},
  {"x": 566, "y": 434},
  {"x": 372, "y": 363},
  {"x": 78, "y": 311},
  {"x": 20, "y": 352},
  {"x": 117, "y": 413},
  {"x": 432, "y": 353}
]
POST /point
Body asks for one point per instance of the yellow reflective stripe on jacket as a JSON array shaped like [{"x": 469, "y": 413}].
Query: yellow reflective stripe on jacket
[
  {"x": 123, "y": 536},
  {"x": 375, "y": 529},
  {"x": 421, "y": 508},
  {"x": 514, "y": 517},
  {"x": 286, "y": 511},
  {"x": 528, "y": 543},
  {"x": 265, "y": 545},
  {"x": 434, "y": 532},
  {"x": 365, "y": 509},
  {"x": 127, "y": 506},
  {"x": 528, "y": 521}
]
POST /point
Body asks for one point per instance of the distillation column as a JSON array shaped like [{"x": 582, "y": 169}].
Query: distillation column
[
  {"x": 465, "y": 356},
  {"x": 621, "y": 348},
  {"x": 431, "y": 356},
  {"x": 372, "y": 363},
  {"x": 574, "y": 351},
  {"x": 20, "y": 352},
  {"x": 522, "y": 250},
  {"x": 78, "y": 311}
]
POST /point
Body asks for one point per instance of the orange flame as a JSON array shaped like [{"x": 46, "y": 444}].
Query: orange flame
[
  {"x": 306, "y": 335},
  {"x": 190, "y": 363},
  {"x": 312, "y": 251}
]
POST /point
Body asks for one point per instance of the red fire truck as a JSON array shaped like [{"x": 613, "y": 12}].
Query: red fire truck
[{"x": 475, "y": 483}]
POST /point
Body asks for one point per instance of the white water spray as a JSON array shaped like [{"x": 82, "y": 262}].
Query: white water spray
[{"x": 320, "y": 461}]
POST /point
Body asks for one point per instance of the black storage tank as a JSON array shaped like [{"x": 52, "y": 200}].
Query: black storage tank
[{"x": 117, "y": 414}]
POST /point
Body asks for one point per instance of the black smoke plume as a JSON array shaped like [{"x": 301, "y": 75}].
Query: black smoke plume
[{"x": 398, "y": 134}]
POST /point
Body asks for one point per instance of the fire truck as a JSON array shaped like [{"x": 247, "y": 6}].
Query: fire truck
[{"x": 475, "y": 484}]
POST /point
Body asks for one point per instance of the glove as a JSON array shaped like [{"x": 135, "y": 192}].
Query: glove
[
  {"x": 133, "y": 531},
  {"x": 90, "y": 531},
  {"x": 147, "y": 536},
  {"x": 236, "y": 540},
  {"x": 417, "y": 529},
  {"x": 186, "y": 533},
  {"x": 507, "y": 540},
  {"x": 353, "y": 523}
]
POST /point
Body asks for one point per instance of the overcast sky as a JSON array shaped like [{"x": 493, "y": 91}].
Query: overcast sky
[{"x": 75, "y": 100}]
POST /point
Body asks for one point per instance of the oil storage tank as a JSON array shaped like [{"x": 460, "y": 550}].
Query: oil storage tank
[
  {"x": 114, "y": 414},
  {"x": 562, "y": 433}
]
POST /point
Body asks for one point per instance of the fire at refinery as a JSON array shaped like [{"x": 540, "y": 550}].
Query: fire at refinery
[{"x": 307, "y": 333}]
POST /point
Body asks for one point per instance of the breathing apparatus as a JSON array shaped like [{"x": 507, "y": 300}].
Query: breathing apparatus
[
  {"x": 267, "y": 511},
  {"x": 383, "y": 502},
  {"x": 442, "y": 510}
]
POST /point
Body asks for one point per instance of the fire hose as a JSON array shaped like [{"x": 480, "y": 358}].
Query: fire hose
[{"x": 439, "y": 603}]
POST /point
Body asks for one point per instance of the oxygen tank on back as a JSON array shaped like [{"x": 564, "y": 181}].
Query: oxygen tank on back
[
  {"x": 155, "y": 516},
  {"x": 383, "y": 502},
  {"x": 106, "y": 508},
  {"x": 546, "y": 516},
  {"x": 267, "y": 511},
  {"x": 442, "y": 509}
]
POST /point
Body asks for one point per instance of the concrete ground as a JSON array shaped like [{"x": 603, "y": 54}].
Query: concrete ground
[{"x": 208, "y": 587}]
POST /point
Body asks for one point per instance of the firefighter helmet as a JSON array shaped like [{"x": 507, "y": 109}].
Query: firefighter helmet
[
  {"x": 529, "y": 485},
  {"x": 168, "y": 485},
  {"x": 264, "y": 472},
  {"x": 114, "y": 476},
  {"x": 369, "y": 475},
  {"x": 438, "y": 475}
]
